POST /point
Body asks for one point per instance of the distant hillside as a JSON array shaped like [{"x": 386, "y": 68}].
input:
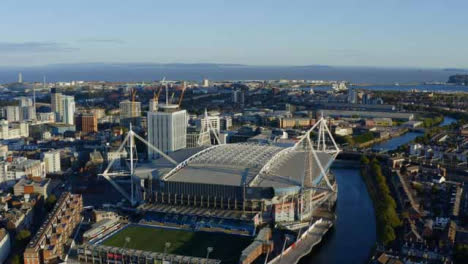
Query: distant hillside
[{"x": 461, "y": 79}]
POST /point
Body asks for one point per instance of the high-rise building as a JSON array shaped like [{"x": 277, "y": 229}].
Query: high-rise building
[
  {"x": 67, "y": 112},
  {"x": 167, "y": 129},
  {"x": 56, "y": 103},
  {"x": 13, "y": 130},
  {"x": 24, "y": 101},
  {"x": 352, "y": 96},
  {"x": 129, "y": 109},
  {"x": 13, "y": 113},
  {"x": 86, "y": 122},
  {"x": 28, "y": 113},
  {"x": 52, "y": 161},
  {"x": 130, "y": 112},
  {"x": 20, "y": 77},
  {"x": 206, "y": 83}
]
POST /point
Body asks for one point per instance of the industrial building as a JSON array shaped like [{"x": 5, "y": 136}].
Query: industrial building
[{"x": 367, "y": 114}]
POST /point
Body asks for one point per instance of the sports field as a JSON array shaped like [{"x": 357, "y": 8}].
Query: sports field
[{"x": 225, "y": 247}]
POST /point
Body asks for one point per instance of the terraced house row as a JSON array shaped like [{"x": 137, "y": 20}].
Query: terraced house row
[{"x": 47, "y": 246}]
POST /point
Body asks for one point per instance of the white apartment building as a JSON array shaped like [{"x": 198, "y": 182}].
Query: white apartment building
[
  {"x": 67, "y": 113},
  {"x": 129, "y": 109},
  {"x": 11, "y": 171},
  {"x": 13, "y": 130},
  {"x": 52, "y": 161},
  {"x": 46, "y": 117},
  {"x": 56, "y": 103},
  {"x": 167, "y": 129},
  {"x": 13, "y": 113}
]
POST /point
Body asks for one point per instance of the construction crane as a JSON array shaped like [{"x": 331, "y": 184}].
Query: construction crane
[
  {"x": 182, "y": 94},
  {"x": 156, "y": 94},
  {"x": 133, "y": 94}
]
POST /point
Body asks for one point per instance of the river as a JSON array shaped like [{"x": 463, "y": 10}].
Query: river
[
  {"x": 447, "y": 121},
  {"x": 354, "y": 235},
  {"x": 395, "y": 142}
]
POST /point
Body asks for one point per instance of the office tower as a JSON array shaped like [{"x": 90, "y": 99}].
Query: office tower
[
  {"x": 56, "y": 103},
  {"x": 52, "y": 161},
  {"x": 20, "y": 77},
  {"x": 86, "y": 122},
  {"x": 67, "y": 112},
  {"x": 167, "y": 129}
]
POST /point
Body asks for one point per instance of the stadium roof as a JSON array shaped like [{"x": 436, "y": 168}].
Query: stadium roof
[{"x": 248, "y": 164}]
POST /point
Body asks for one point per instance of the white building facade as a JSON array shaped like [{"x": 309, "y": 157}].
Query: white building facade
[
  {"x": 167, "y": 129},
  {"x": 67, "y": 113},
  {"x": 52, "y": 161}
]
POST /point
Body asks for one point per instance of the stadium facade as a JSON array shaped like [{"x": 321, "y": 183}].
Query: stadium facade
[{"x": 237, "y": 189}]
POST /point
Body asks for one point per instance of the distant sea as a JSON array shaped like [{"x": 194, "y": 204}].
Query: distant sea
[{"x": 384, "y": 77}]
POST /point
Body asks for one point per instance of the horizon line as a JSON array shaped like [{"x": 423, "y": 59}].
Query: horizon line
[{"x": 235, "y": 64}]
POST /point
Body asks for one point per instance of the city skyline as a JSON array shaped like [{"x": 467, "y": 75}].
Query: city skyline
[{"x": 360, "y": 33}]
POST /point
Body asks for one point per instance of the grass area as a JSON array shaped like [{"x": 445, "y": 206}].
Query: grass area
[{"x": 226, "y": 247}]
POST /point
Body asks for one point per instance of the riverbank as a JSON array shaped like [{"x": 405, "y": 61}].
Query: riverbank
[
  {"x": 382, "y": 139},
  {"x": 353, "y": 237},
  {"x": 384, "y": 204}
]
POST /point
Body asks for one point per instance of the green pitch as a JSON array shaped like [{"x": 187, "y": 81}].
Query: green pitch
[{"x": 225, "y": 247}]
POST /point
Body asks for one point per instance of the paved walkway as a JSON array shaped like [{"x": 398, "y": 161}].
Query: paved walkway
[{"x": 304, "y": 247}]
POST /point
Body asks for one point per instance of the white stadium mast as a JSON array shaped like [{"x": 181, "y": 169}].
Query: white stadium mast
[{"x": 129, "y": 141}]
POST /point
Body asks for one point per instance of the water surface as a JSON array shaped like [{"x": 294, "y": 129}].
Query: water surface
[{"x": 354, "y": 235}]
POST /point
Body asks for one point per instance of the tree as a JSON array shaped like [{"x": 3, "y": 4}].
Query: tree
[
  {"x": 16, "y": 259},
  {"x": 364, "y": 160},
  {"x": 23, "y": 234},
  {"x": 461, "y": 253},
  {"x": 50, "y": 202}
]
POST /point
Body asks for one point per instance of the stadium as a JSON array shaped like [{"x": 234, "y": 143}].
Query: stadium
[{"x": 235, "y": 192}]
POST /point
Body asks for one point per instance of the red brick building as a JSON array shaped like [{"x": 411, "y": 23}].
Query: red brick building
[
  {"x": 47, "y": 246},
  {"x": 86, "y": 122}
]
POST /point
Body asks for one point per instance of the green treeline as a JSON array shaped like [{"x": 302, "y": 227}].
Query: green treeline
[
  {"x": 384, "y": 204},
  {"x": 433, "y": 121},
  {"x": 368, "y": 136}
]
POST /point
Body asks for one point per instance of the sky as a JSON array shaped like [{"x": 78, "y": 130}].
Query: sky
[{"x": 383, "y": 33}]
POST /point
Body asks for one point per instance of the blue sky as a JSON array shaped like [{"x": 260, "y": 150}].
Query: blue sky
[{"x": 388, "y": 33}]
